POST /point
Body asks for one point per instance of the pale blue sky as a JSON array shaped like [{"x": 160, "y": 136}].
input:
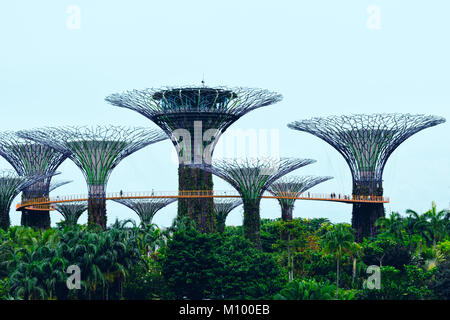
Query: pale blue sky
[{"x": 319, "y": 54}]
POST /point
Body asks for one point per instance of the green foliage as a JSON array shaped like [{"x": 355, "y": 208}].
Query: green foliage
[
  {"x": 310, "y": 289},
  {"x": 300, "y": 259},
  {"x": 247, "y": 273},
  {"x": 198, "y": 266},
  {"x": 190, "y": 264},
  {"x": 441, "y": 286},
  {"x": 412, "y": 284}
]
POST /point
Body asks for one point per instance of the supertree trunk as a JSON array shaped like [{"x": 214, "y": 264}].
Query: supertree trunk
[
  {"x": 365, "y": 215},
  {"x": 97, "y": 206},
  {"x": 200, "y": 210},
  {"x": 252, "y": 222},
  {"x": 220, "y": 225},
  {"x": 38, "y": 219},
  {"x": 5, "y": 221},
  {"x": 286, "y": 213}
]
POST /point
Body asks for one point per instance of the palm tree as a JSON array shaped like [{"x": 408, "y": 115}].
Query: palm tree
[
  {"x": 337, "y": 241},
  {"x": 392, "y": 225},
  {"x": 437, "y": 223},
  {"x": 418, "y": 226}
]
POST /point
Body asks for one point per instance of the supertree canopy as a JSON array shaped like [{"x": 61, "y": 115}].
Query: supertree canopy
[
  {"x": 194, "y": 118},
  {"x": 366, "y": 142},
  {"x": 56, "y": 184},
  {"x": 30, "y": 158},
  {"x": 251, "y": 177},
  {"x": 11, "y": 184},
  {"x": 146, "y": 208},
  {"x": 222, "y": 207},
  {"x": 96, "y": 151},
  {"x": 71, "y": 211},
  {"x": 292, "y": 186}
]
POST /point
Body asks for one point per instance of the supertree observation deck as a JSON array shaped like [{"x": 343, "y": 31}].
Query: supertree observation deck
[
  {"x": 292, "y": 186},
  {"x": 146, "y": 208},
  {"x": 194, "y": 118},
  {"x": 96, "y": 151},
  {"x": 251, "y": 177},
  {"x": 71, "y": 211},
  {"x": 30, "y": 158},
  {"x": 222, "y": 207},
  {"x": 366, "y": 142},
  {"x": 11, "y": 184}
]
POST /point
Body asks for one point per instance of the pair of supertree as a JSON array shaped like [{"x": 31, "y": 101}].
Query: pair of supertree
[
  {"x": 365, "y": 142},
  {"x": 287, "y": 188},
  {"x": 95, "y": 150}
]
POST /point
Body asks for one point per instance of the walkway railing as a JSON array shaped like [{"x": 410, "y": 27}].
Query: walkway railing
[{"x": 47, "y": 203}]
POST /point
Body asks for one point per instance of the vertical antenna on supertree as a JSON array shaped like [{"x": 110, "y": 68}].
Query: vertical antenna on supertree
[
  {"x": 71, "y": 211},
  {"x": 292, "y": 186},
  {"x": 251, "y": 177},
  {"x": 222, "y": 207},
  {"x": 146, "y": 208},
  {"x": 96, "y": 151},
  {"x": 30, "y": 158},
  {"x": 11, "y": 184},
  {"x": 366, "y": 142},
  {"x": 194, "y": 118}
]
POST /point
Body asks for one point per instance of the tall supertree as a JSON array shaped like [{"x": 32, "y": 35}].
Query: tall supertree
[
  {"x": 292, "y": 186},
  {"x": 96, "y": 151},
  {"x": 71, "y": 211},
  {"x": 222, "y": 207},
  {"x": 366, "y": 142},
  {"x": 11, "y": 184},
  {"x": 194, "y": 118},
  {"x": 146, "y": 208},
  {"x": 30, "y": 158},
  {"x": 251, "y": 177}
]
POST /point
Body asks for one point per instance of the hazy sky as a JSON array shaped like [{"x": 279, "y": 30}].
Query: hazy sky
[{"x": 325, "y": 57}]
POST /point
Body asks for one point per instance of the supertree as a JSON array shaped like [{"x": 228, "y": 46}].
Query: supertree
[
  {"x": 222, "y": 207},
  {"x": 11, "y": 184},
  {"x": 194, "y": 118},
  {"x": 96, "y": 151},
  {"x": 251, "y": 177},
  {"x": 366, "y": 142},
  {"x": 30, "y": 158},
  {"x": 292, "y": 186},
  {"x": 146, "y": 208},
  {"x": 71, "y": 211}
]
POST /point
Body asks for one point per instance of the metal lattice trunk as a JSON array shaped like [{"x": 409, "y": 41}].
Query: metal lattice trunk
[
  {"x": 96, "y": 151},
  {"x": 200, "y": 210},
  {"x": 292, "y": 186}
]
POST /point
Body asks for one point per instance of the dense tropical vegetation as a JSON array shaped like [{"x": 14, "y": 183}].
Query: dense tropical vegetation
[{"x": 299, "y": 260}]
